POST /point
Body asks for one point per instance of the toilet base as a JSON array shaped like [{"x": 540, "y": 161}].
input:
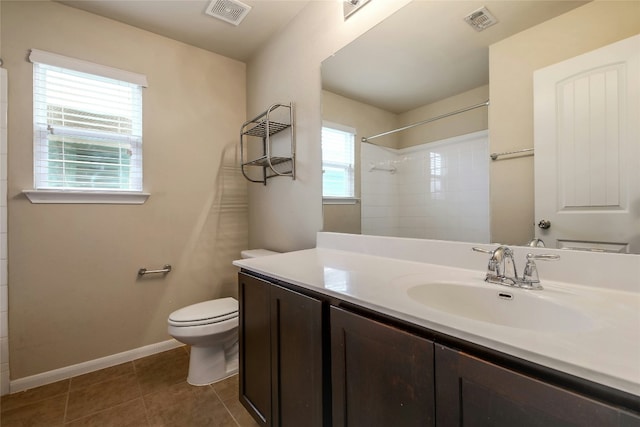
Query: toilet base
[{"x": 208, "y": 365}]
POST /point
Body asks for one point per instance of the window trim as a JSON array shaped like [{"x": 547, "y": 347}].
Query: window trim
[
  {"x": 329, "y": 200},
  {"x": 62, "y": 61},
  {"x": 88, "y": 196}
]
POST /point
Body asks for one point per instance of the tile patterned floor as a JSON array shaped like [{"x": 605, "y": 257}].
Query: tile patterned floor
[{"x": 148, "y": 392}]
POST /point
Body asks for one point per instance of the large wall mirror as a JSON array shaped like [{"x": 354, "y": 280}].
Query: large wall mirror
[{"x": 432, "y": 105}]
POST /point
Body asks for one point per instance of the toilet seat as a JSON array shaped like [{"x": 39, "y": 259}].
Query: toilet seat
[{"x": 205, "y": 313}]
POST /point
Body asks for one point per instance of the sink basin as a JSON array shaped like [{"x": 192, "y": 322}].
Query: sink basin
[{"x": 501, "y": 305}]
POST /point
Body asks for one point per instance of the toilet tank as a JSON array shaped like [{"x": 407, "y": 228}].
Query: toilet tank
[{"x": 255, "y": 253}]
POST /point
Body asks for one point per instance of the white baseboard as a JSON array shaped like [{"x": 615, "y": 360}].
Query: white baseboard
[{"x": 49, "y": 377}]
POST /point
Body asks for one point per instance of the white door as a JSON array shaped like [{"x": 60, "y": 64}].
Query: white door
[{"x": 587, "y": 150}]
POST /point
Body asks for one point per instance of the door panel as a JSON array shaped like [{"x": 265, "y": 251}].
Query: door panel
[
  {"x": 472, "y": 392},
  {"x": 296, "y": 339},
  {"x": 380, "y": 375},
  {"x": 587, "y": 142},
  {"x": 255, "y": 348}
]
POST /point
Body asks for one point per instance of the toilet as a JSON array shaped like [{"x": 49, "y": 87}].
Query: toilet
[{"x": 211, "y": 329}]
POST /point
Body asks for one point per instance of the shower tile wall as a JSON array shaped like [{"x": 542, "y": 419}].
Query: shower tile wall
[
  {"x": 439, "y": 190},
  {"x": 380, "y": 191},
  {"x": 4, "y": 284}
]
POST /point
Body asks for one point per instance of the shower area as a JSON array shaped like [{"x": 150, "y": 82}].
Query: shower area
[{"x": 438, "y": 190}]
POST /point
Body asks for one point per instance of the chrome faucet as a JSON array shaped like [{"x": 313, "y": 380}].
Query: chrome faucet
[{"x": 502, "y": 268}]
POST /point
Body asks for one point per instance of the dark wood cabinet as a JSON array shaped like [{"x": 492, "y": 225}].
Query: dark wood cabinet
[
  {"x": 296, "y": 359},
  {"x": 472, "y": 392},
  {"x": 281, "y": 354},
  {"x": 380, "y": 375},
  {"x": 255, "y": 347}
]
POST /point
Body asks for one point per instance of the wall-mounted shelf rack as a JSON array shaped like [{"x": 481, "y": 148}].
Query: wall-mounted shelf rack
[{"x": 256, "y": 137}]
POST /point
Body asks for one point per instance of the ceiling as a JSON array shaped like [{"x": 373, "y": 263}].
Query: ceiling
[
  {"x": 185, "y": 21},
  {"x": 426, "y": 52},
  {"x": 426, "y": 42}
]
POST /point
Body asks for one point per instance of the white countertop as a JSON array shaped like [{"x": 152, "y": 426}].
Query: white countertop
[{"x": 606, "y": 352}]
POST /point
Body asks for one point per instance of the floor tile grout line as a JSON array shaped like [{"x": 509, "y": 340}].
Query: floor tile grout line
[
  {"x": 142, "y": 395},
  {"x": 66, "y": 405},
  {"x": 225, "y": 405},
  {"x": 40, "y": 400},
  {"x": 102, "y": 410},
  {"x": 103, "y": 380},
  {"x": 110, "y": 378},
  {"x": 93, "y": 414},
  {"x": 66, "y": 402},
  {"x": 146, "y": 411}
]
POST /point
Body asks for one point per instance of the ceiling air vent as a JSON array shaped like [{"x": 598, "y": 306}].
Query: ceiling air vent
[
  {"x": 231, "y": 11},
  {"x": 481, "y": 19}
]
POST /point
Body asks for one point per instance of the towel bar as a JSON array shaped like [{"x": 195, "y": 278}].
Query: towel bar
[
  {"x": 166, "y": 269},
  {"x": 494, "y": 156}
]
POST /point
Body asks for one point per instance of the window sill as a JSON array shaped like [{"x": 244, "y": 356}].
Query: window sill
[
  {"x": 86, "y": 197},
  {"x": 340, "y": 201}
]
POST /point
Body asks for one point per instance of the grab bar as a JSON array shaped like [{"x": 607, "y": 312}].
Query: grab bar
[
  {"x": 494, "y": 156},
  {"x": 166, "y": 269}
]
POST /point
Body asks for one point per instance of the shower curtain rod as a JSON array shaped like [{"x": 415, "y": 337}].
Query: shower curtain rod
[{"x": 424, "y": 122}]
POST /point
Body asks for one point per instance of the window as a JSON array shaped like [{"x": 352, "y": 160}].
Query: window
[
  {"x": 87, "y": 126},
  {"x": 337, "y": 161},
  {"x": 436, "y": 171}
]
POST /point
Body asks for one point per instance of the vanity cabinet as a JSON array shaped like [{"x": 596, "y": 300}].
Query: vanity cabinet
[
  {"x": 309, "y": 359},
  {"x": 281, "y": 354},
  {"x": 380, "y": 375},
  {"x": 474, "y": 392}
]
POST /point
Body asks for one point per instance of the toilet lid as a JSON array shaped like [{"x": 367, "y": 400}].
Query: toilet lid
[{"x": 213, "y": 311}]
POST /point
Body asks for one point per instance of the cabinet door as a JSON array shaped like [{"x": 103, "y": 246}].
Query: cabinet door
[
  {"x": 380, "y": 375},
  {"x": 473, "y": 392},
  {"x": 255, "y": 348},
  {"x": 296, "y": 357},
  {"x": 281, "y": 355}
]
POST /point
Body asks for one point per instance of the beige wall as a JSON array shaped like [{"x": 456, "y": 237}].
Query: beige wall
[
  {"x": 342, "y": 218},
  {"x": 285, "y": 214},
  {"x": 459, "y": 124},
  {"x": 74, "y": 293},
  {"x": 512, "y": 63}
]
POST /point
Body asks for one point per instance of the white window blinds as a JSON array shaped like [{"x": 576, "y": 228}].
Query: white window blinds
[
  {"x": 337, "y": 161},
  {"x": 87, "y": 127}
]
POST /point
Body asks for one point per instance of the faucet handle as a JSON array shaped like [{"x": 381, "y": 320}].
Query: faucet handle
[
  {"x": 484, "y": 251},
  {"x": 543, "y": 257},
  {"x": 530, "y": 275},
  {"x": 493, "y": 268},
  {"x": 498, "y": 254}
]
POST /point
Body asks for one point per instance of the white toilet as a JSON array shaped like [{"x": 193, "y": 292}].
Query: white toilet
[{"x": 211, "y": 329}]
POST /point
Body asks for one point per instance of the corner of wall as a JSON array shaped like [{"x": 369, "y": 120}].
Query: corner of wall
[{"x": 4, "y": 283}]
